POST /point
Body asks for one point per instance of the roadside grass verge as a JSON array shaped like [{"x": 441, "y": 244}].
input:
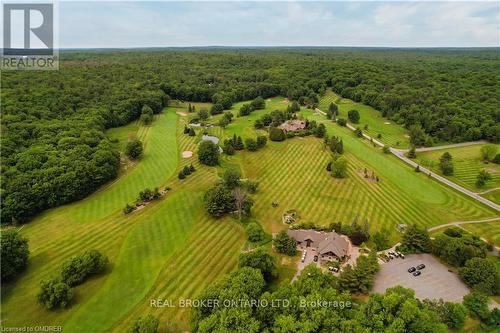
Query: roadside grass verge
[{"x": 467, "y": 164}]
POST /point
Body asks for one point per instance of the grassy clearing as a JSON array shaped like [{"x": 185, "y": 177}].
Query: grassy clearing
[
  {"x": 392, "y": 133},
  {"x": 489, "y": 231},
  {"x": 467, "y": 164}
]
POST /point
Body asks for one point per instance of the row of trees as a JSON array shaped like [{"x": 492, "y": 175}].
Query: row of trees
[{"x": 312, "y": 303}]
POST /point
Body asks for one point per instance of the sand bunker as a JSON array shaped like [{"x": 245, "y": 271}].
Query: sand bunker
[
  {"x": 387, "y": 123},
  {"x": 187, "y": 154},
  {"x": 182, "y": 114}
]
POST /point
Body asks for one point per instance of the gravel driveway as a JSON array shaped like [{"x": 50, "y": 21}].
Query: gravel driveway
[{"x": 435, "y": 282}]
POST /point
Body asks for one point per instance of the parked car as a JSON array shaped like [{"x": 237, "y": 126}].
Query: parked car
[
  {"x": 417, "y": 273},
  {"x": 315, "y": 258},
  {"x": 402, "y": 256},
  {"x": 421, "y": 266},
  {"x": 330, "y": 268},
  {"x": 391, "y": 256},
  {"x": 335, "y": 270},
  {"x": 411, "y": 269}
]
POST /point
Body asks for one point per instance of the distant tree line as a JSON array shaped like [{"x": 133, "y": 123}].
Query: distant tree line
[{"x": 54, "y": 149}]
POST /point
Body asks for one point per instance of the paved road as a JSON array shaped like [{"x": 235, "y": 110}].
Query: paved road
[{"x": 399, "y": 153}]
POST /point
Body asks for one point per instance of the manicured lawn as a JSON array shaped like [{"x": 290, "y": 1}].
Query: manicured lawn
[
  {"x": 392, "y": 133},
  {"x": 467, "y": 164},
  {"x": 489, "y": 231}
]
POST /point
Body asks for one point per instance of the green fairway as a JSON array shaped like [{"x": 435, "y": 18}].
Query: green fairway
[
  {"x": 172, "y": 249},
  {"x": 467, "y": 163},
  {"x": 143, "y": 247},
  {"x": 392, "y": 133},
  {"x": 489, "y": 231}
]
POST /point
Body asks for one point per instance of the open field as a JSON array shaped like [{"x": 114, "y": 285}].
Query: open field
[
  {"x": 392, "y": 133},
  {"x": 467, "y": 164}
]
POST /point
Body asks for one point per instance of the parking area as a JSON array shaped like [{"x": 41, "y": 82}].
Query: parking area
[
  {"x": 435, "y": 282},
  {"x": 309, "y": 259}
]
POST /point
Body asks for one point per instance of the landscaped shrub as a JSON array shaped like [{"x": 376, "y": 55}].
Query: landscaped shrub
[
  {"x": 258, "y": 103},
  {"x": 342, "y": 122},
  {"x": 14, "y": 254},
  {"x": 251, "y": 144},
  {"x": 361, "y": 277},
  {"x": 261, "y": 141},
  {"x": 148, "y": 194},
  {"x": 283, "y": 243},
  {"x": 251, "y": 186},
  {"x": 245, "y": 110},
  {"x": 254, "y": 232},
  {"x": 146, "y": 324},
  {"x": 134, "y": 149},
  {"x": 54, "y": 294},
  {"x": 261, "y": 260},
  {"x": 78, "y": 268},
  {"x": 208, "y": 153},
  {"x": 339, "y": 167},
  {"x": 128, "y": 209},
  {"x": 216, "y": 109},
  {"x": 219, "y": 201},
  {"x": 276, "y": 134},
  {"x": 416, "y": 240},
  {"x": 353, "y": 116}
]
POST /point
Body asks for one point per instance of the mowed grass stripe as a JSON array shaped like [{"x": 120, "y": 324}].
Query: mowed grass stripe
[{"x": 137, "y": 265}]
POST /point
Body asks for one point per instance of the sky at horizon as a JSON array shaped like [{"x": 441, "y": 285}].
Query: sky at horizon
[{"x": 265, "y": 23}]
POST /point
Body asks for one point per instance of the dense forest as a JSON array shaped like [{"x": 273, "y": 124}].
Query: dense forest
[{"x": 55, "y": 151}]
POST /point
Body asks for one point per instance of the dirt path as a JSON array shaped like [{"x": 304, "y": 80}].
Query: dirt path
[
  {"x": 399, "y": 153},
  {"x": 453, "y": 145},
  {"x": 490, "y": 190}
]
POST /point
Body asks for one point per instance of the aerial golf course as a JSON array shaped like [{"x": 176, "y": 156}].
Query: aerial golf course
[{"x": 173, "y": 249}]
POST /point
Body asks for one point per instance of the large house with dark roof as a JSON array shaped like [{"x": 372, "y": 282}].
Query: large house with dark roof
[{"x": 328, "y": 245}]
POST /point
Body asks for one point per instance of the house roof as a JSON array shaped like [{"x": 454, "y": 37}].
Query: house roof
[{"x": 323, "y": 241}]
